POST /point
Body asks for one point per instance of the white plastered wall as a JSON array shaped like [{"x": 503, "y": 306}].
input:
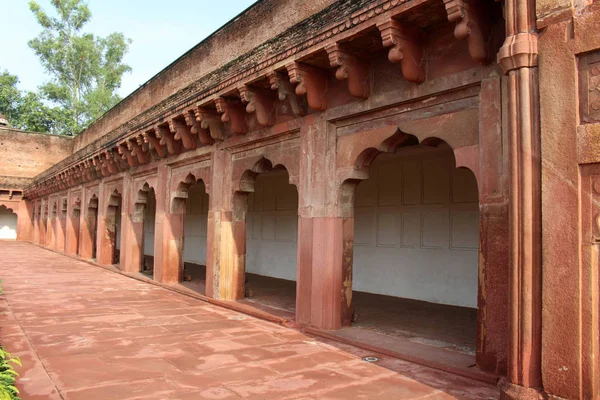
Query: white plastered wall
[
  {"x": 417, "y": 229},
  {"x": 8, "y": 223},
  {"x": 195, "y": 227},
  {"x": 272, "y": 227}
]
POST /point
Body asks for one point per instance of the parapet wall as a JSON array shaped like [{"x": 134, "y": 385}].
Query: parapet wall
[
  {"x": 24, "y": 155},
  {"x": 264, "y": 20}
]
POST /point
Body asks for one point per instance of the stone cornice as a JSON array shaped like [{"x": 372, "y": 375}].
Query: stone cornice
[{"x": 151, "y": 134}]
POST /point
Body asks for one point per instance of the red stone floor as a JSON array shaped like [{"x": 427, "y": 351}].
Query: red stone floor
[{"x": 84, "y": 332}]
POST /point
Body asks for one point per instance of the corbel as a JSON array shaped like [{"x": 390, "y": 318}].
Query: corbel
[
  {"x": 260, "y": 102},
  {"x": 285, "y": 92},
  {"x": 310, "y": 81},
  {"x": 126, "y": 154},
  {"x": 109, "y": 162},
  {"x": 136, "y": 147},
  {"x": 181, "y": 132},
  {"x": 234, "y": 112},
  {"x": 471, "y": 25},
  {"x": 100, "y": 167},
  {"x": 211, "y": 121},
  {"x": 404, "y": 42},
  {"x": 203, "y": 134},
  {"x": 352, "y": 68},
  {"x": 150, "y": 137},
  {"x": 166, "y": 139}
]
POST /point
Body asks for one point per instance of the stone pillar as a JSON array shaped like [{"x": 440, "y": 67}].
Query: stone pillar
[
  {"x": 172, "y": 246},
  {"x": 43, "y": 222},
  {"x": 162, "y": 241},
  {"x": 325, "y": 234},
  {"x": 36, "y": 224},
  {"x": 88, "y": 223},
  {"x": 518, "y": 58},
  {"x": 107, "y": 218},
  {"x": 216, "y": 250},
  {"x": 72, "y": 229},
  {"x": 61, "y": 223},
  {"x": 226, "y": 235},
  {"x": 131, "y": 233}
]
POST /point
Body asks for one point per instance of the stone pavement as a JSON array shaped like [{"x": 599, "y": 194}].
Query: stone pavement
[{"x": 85, "y": 333}]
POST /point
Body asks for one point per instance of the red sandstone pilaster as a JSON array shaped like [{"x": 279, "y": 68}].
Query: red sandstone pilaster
[{"x": 520, "y": 64}]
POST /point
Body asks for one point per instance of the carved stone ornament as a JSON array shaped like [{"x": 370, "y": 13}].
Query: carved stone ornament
[
  {"x": 470, "y": 25},
  {"x": 232, "y": 112},
  {"x": 405, "y": 48},
  {"x": 260, "y": 102},
  {"x": 351, "y": 68},
  {"x": 589, "y": 87},
  {"x": 309, "y": 81}
]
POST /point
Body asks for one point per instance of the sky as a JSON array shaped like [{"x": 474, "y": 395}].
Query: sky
[{"x": 161, "y": 31}]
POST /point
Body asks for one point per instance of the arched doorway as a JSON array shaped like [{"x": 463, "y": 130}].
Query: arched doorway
[
  {"x": 192, "y": 203},
  {"x": 411, "y": 263},
  {"x": 143, "y": 223},
  {"x": 88, "y": 245},
  {"x": 8, "y": 223},
  {"x": 109, "y": 250},
  {"x": 270, "y": 209},
  {"x": 416, "y": 240},
  {"x": 74, "y": 222}
]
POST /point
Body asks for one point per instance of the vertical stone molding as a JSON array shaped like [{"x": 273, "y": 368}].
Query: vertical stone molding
[{"x": 518, "y": 58}]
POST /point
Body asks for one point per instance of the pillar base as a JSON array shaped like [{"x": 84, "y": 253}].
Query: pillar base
[{"x": 511, "y": 391}]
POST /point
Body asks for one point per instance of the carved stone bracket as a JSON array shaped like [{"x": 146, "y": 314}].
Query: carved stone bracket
[
  {"x": 211, "y": 121},
  {"x": 204, "y": 137},
  {"x": 125, "y": 152},
  {"x": 150, "y": 137},
  {"x": 311, "y": 82},
  {"x": 234, "y": 112},
  {"x": 286, "y": 92},
  {"x": 518, "y": 51},
  {"x": 405, "y": 46},
  {"x": 260, "y": 102},
  {"x": 351, "y": 68},
  {"x": 181, "y": 132},
  {"x": 167, "y": 139},
  {"x": 138, "y": 149},
  {"x": 470, "y": 25}
]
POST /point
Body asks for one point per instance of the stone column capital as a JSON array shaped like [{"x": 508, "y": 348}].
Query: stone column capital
[{"x": 519, "y": 51}]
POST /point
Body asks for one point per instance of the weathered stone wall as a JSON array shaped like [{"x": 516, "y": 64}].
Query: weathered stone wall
[
  {"x": 26, "y": 154},
  {"x": 569, "y": 62},
  {"x": 263, "y": 21}
]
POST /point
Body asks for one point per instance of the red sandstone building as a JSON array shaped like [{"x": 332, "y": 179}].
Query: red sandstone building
[{"x": 419, "y": 176}]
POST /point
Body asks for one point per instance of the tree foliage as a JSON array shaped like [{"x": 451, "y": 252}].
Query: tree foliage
[
  {"x": 27, "y": 110},
  {"x": 86, "y": 70}
]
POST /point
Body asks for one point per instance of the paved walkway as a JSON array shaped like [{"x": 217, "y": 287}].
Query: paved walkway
[{"x": 86, "y": 333}]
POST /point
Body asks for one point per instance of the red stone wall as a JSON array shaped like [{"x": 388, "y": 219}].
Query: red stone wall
[
  {"x": 569, "y": 46},
  {"x": 26, "y": 154}
]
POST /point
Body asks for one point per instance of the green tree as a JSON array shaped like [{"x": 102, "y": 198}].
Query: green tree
[
  {"x": 26, "y": 110},
  {"x": 86, "y": 70},
  {"x": 10, "y": 96}
]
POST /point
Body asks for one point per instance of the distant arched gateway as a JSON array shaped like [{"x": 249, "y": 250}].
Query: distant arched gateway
[{"x": 8, "y": 223}]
